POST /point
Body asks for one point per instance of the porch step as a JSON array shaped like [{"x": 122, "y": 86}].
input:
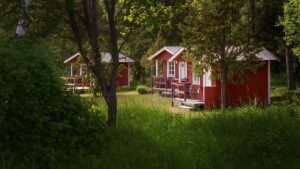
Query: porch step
[
  {"x": 162, "y": 89},
  {"x": 186, "y": 107},
  {"x": 190, "y": 104},
  {"x": 166, "y": 93},
  {"x": 193, "y": 104}
]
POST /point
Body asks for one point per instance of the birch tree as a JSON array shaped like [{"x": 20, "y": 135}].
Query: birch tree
[{"x": 24, "y": 20}]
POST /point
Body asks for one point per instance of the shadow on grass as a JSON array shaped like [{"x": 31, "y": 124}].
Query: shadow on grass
[
  {"x": 238, "y": 138},
  {"x": 254, "y": 138}
]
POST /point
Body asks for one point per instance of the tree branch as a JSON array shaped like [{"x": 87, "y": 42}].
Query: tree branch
[{"x": 131, "y": 28}]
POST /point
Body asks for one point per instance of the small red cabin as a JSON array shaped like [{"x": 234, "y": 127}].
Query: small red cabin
[
  {"x": 79, "y": 75},
  {"x": 174, "y": 76}
]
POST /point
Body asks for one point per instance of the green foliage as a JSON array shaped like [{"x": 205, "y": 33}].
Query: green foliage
[
  {"x": 218, "y": 33},
  {"x": 158, "y": 44},
  {"x": 291, "y": 23},
  {"x": 155, "y": 27},
  {"x": 40, "y": 125},
  {"x": 141, "y": 89},
  {"x": 281, "y": 96}
]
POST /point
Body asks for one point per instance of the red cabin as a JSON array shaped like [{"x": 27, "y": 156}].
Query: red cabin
[
  {"x": 80, "y": 78},
  {"x": 174, "y": 76}
]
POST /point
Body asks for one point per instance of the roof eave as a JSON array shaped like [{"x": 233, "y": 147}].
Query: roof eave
[
  {"x": 176, "y": 54},
  {"x": 72, "y": 57},
  {"x": 159, "y": 52}
]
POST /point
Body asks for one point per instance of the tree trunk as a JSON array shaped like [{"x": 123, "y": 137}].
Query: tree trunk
[
  {"x": 112, "y": 109},
  {"x": 290, "y": 70},
  {"x": 223, "y": 71},
  {"x": 253, "y": 16},
  {"x": 24, "y": 20}
]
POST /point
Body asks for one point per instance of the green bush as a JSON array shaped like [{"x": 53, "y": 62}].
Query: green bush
[
  {"x": 40, "y": 125},
  {"x": 141, "y": 89}
]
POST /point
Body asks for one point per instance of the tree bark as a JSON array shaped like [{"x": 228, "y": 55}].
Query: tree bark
[
  {"x": 223, "y": 72},
  {"x": 290, "y": 70},
  {"x": 24, "y": 20},
  {"x": 253, "y": 16},
  {"x": 114, "y": 49},
  {"x": 112, "y": 109},
  {"x": 90, "y": 21}
]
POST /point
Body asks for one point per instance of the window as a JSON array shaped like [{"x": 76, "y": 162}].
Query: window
[
  {"x": 208, "y": 81},
  {"x": 196, "y": 79},
  {"x": 159, "y": 67},
  {"x": 171, "y": 69},
  {"x": 83, "y": 70}
]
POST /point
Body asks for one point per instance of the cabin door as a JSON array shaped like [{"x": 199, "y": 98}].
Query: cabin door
[{"x": 182, "y": 70}]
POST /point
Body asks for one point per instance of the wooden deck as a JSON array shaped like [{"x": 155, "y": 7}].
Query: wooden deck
[
  {"x": 179, "y": 92},
  {"x": 72, "y": 88},
  {"x": 162, "y": 89}
]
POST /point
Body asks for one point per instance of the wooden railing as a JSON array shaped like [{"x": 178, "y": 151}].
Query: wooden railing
[
  {"x": 72, "y": 83},
  {"x": 159, "y": 83},
  {"x": 185, "y": 91},
  {"x": 180, "y": 90}
]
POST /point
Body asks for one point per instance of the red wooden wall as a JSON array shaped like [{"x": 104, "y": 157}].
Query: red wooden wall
[
  {"x": 122, "y": 79},
  {"x": 164, "y": 57},
  {"x": 256, "y": 87},
  {"x": 123, "y": 75}
]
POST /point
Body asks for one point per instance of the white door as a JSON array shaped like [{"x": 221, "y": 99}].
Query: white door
[{"x": 182, "y": 70}]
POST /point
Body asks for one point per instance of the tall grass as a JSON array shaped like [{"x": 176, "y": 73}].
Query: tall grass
[{"x": 148, "y": 137}]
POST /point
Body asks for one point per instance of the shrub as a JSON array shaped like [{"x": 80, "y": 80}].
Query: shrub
[
  {"x": 40, "y": 125},
  {"x": 141, "y": 89}
]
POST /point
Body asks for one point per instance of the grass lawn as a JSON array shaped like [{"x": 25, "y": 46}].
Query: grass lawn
[
  {"x": 148, "y": 137},
  {"x": 132, "y": 98}
]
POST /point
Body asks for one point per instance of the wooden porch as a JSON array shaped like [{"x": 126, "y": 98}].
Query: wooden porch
[
  {"x": 76, "y": 84},
  {"x": 182, "y": 92},
  {"x": 185, "y": 94}
]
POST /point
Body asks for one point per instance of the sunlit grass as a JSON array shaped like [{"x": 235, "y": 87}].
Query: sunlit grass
[
  {"x": 151, "y": 134},
  {"x": 128, "y": 98}
]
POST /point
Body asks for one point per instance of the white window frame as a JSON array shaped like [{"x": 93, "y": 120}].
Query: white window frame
[
  {"x": 168, "y": 67},
  {"x": 81, "y": 72},
  {"x": 196, "y": 79}
]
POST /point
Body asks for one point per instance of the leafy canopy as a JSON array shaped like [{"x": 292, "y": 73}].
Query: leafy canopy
[
  {"x": 218, "y": 34},
  {"x": 291, "y": 23}
]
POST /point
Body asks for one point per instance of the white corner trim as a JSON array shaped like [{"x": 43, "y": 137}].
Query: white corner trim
[
  {"x": 71, "y": 70},
  {"x": 168, "y": 69},
  {"x": 203, "y": 78},
  {"x": 176, "y": 55},
  {"x": 80, "y": 71}
]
